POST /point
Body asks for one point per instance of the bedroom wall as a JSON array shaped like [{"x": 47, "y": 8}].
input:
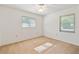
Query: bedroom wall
[
  {"x": 51, "y": 26},
  {"x": 11, "y": 28}
]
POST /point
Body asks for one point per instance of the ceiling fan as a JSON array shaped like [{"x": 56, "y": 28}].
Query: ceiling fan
[{"x": 41, "y": 7}]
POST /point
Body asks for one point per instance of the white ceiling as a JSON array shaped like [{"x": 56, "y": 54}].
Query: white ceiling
[{"x": 50, "y": 7}]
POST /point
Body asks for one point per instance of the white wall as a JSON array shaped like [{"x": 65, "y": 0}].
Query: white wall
[
  {"x": 10, "y": 26},
  {"x": 51, "y": 26},
  {"x": 11, "y": 30}
]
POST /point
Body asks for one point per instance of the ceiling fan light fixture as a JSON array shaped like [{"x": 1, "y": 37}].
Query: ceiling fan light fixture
[
  {"x": 42, "y": 7},
  {"x": 41, "y": 10}
]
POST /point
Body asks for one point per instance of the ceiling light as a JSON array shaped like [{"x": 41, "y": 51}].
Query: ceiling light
[
  {"x": 41, "y": 10},
  {"x": 41, "y": 7}
]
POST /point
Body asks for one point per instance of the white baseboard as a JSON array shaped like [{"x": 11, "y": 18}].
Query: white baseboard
[{"x": 51, "y": 37}]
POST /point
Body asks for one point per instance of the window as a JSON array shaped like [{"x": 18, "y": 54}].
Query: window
[
  {"x": 28, "y": 22},
  {"x": 67, "y": 23}
]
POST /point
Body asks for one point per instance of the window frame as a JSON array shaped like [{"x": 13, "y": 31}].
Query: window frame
[{"x": 29, "y": 26}]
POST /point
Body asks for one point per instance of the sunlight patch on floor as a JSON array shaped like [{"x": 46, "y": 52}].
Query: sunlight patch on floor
[{"x": 43, "y": 47}]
